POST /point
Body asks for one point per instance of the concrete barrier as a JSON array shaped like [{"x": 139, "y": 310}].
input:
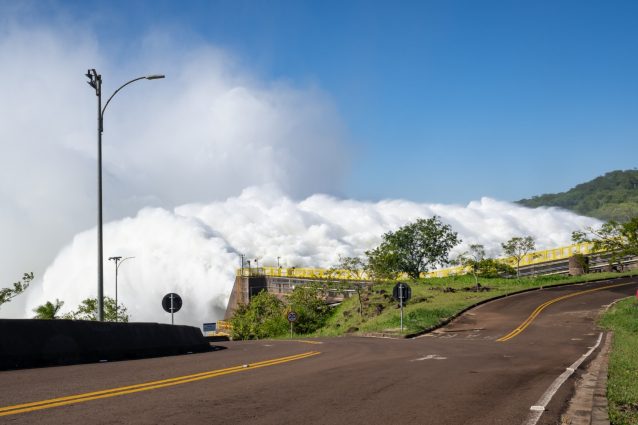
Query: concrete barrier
[{"x": 34, "y": 343}]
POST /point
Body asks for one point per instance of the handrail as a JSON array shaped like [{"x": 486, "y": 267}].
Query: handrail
[{"x": 536, "y": 257}]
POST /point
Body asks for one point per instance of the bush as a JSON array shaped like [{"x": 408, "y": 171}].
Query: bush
[
  {"x": 263, "y": 317},
  {"x": 312, "y": 311}
]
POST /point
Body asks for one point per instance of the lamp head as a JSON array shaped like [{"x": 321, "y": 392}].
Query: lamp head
[
  {"x": 155, "y": 77},
  {"x": 93, "y": 77}
]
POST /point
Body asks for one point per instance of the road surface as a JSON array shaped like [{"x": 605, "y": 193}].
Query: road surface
[{"x": 461, "y": 374}]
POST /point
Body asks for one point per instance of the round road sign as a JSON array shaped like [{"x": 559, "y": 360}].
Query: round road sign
[
  {"x": 402, "y": 292},
  {"x": 292, "y": 316},
  {"x": 172, "y": 303}
]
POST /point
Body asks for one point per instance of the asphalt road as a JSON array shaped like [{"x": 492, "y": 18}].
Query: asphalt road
[{"x": 460, "y": 374}]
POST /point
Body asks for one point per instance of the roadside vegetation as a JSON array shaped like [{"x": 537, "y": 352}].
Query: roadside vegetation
[
  {"x": 7, "y": 294},
  {"x": 433, "y": 302},
  {"x": 409, "y": 252},
  {"x": 622, "y": 386}
]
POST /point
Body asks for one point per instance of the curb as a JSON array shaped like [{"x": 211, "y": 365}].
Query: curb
[
  {"x": 600, "y": 412},
  {"x": 588, "y": 404}
]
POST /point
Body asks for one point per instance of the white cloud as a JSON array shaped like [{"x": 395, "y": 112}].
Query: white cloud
[
  {"x": 207, "y": 131},
  {"x": 197, "y": 139},
  {"x": 194, "y": 249}
]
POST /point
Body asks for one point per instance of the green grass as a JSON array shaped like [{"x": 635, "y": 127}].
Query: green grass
[
  {"x": 622, "y": 386},
  {"x": 430, "y": 304}
]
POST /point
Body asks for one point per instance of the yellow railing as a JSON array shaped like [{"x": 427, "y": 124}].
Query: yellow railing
[
  {"x": 224, "y": 327},
  {"x": 536, "y": 257}
]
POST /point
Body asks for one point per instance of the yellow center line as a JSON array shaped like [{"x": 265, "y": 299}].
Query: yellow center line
[
  {"x": 546, "y": 304},
  {"x": 306, "y": 341},
  {"x": 113, "y": 392}
]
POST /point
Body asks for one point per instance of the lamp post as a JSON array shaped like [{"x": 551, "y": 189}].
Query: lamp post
[
  {"x": 95, "y": 81},
  {"x": 118, "y": 262}
]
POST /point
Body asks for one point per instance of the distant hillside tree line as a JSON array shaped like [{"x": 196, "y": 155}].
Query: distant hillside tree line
[{"x": 613, "y": 196}]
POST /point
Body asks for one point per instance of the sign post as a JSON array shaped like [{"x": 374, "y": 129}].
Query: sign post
[
  {"x": 172, "y": 303},
  {"x": 292, "y": 318},
  {"x": 402, "y": 293}
]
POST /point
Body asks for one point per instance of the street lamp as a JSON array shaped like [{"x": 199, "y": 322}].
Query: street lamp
[
  {"x": 95, "y": 81},
  {"x": 118, "y": 262}
]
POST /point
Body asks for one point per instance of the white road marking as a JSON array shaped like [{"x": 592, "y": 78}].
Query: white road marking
[
  {"x": 537, "y": 410},
  {"x": 430, "y": 357}
]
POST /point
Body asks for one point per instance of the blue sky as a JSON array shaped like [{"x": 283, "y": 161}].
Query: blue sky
[
  {"x": 443, "y": 101},
  {"x": 436, "y": 102}
]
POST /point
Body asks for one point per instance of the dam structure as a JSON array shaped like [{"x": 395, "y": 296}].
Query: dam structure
[{"x": 339, "y": 284}]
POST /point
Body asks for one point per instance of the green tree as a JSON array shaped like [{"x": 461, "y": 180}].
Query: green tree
[
  {"x": 87, "y": 310},
  {"x": 489, "y": 267},
  {"x": 471, "y": 260},
  {"x": 517, "y": 248},
  {"x": 357, "y": 269},
  {"x": 413, "y": 249},
  {"x": 613, "y": 196},
  {"x": 312, "y": 311},
  {"x": 383, "y": 263},
  {"x": 263, "y": 317},
  {"x": 7, "y": 294},
  {"x": 618, "y": 239},
  {"x": 49, "y": 310}
]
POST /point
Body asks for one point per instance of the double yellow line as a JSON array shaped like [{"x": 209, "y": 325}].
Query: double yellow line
[
  {"x": 153, "y": 385},
  {"x": 546, "y": 304}
]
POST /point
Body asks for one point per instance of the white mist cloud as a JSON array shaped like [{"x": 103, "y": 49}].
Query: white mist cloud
[
  {"x": 207, "y": 131},
  {"x": 194, "y": 249},
  {"x": 176, "y": 154}
]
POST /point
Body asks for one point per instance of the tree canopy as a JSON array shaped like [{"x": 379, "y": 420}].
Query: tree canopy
[
  {"x": 48, "y": 310},
  {"x": 619, "y": 239},
  {"x": 613, "y": 196},
  {"x": 87, "y": 310},
  {"x": 263, "y": 317},
  {"x": 7, "y": 294},
  {"x": 517, "y": 248},
  {"x": 413, "y": 249},
  {"x": 472, "y": 258}
]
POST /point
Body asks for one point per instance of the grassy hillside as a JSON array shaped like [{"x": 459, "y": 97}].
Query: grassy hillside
[
  {"x": 433, "y": 301},
  {"x": 613, "y": 196}
]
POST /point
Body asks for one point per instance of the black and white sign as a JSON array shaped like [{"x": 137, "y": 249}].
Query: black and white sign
[
  {"x": 172, "y": 303},
  {"x": 402, "y": 292}
]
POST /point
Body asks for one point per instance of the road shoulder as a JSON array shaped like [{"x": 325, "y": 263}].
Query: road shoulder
[{"x": 589, "y": 403}]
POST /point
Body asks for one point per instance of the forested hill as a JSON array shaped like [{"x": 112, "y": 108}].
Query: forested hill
[{"x": 613, "y": 196}]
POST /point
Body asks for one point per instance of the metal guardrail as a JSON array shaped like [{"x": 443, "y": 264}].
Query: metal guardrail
[{"x": 533, "y": 258}]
